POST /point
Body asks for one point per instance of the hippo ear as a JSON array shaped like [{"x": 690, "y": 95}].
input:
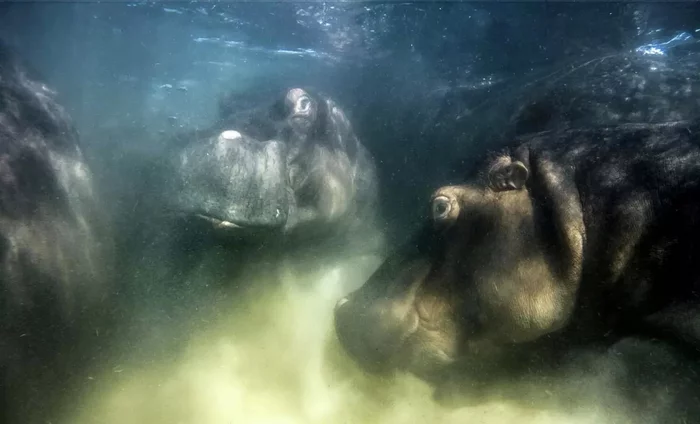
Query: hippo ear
[{"x": 508, "y": 175}]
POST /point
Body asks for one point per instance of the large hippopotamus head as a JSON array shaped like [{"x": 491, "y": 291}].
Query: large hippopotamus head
[
  {"x": 493, "y": 266},
  {"x": 293, "y": 162}
]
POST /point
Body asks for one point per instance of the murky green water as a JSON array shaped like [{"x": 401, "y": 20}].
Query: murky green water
[{"x": 272, "y": 358}]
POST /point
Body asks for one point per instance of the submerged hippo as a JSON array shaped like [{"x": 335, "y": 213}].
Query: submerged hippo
[
  {"x": 55, "y": 249},
  {"x": 578, "y": 237},
  {"x": 287, "y": 178},
  {"x": 295, "y": 169}
]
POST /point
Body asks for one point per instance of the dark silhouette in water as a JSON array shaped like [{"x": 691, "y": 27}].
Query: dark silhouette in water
[{"x": 55, "y": 249}]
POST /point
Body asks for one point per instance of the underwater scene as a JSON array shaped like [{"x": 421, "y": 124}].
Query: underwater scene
[{"x": 358, "y": 212}]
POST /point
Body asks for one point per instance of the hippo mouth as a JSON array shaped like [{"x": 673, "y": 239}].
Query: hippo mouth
[
  {"x": 411, "y": 353},
  {"x": 218, "y": 224},
  {"x": 398, "y": 321},
  {"x": 221, "y": 224},
  {"x": 405, "y": 338}
]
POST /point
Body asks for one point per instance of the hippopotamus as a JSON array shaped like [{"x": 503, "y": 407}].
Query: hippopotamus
[
  {"x": 293, "y": 169},
  {"x": 55, "y": 247},
  {"x": 273, "y": 181},
  {"x": 580, "y": 234}
]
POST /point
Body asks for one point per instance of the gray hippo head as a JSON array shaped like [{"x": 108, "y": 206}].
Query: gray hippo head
[{"x": 293, "y": 166}]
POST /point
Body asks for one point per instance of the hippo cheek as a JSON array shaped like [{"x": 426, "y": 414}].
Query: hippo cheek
[{"x": 434, "y": 343}]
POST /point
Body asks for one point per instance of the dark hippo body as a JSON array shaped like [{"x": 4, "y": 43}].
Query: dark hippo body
[
  {"x": 55, "y": 249},
  {"x": 602, "y": 90},
  {"x": 583, "y": 237}
]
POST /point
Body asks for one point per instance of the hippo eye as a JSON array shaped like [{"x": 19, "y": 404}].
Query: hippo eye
[
  {"x": 441, "y": 207},
  {"x": 304, "y": 104}
]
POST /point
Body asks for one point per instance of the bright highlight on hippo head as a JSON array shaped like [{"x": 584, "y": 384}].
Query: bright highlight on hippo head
[{"x": 230, "y": 135}]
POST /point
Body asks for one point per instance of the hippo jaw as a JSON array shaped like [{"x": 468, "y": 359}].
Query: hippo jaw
[
  {"x": 232, "y": 225},
  {"x": 217, "y": 223},
  {"x": 389, "y": 325}
]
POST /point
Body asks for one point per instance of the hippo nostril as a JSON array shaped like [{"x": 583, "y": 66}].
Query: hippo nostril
[{"x": 341, "y": 302}]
